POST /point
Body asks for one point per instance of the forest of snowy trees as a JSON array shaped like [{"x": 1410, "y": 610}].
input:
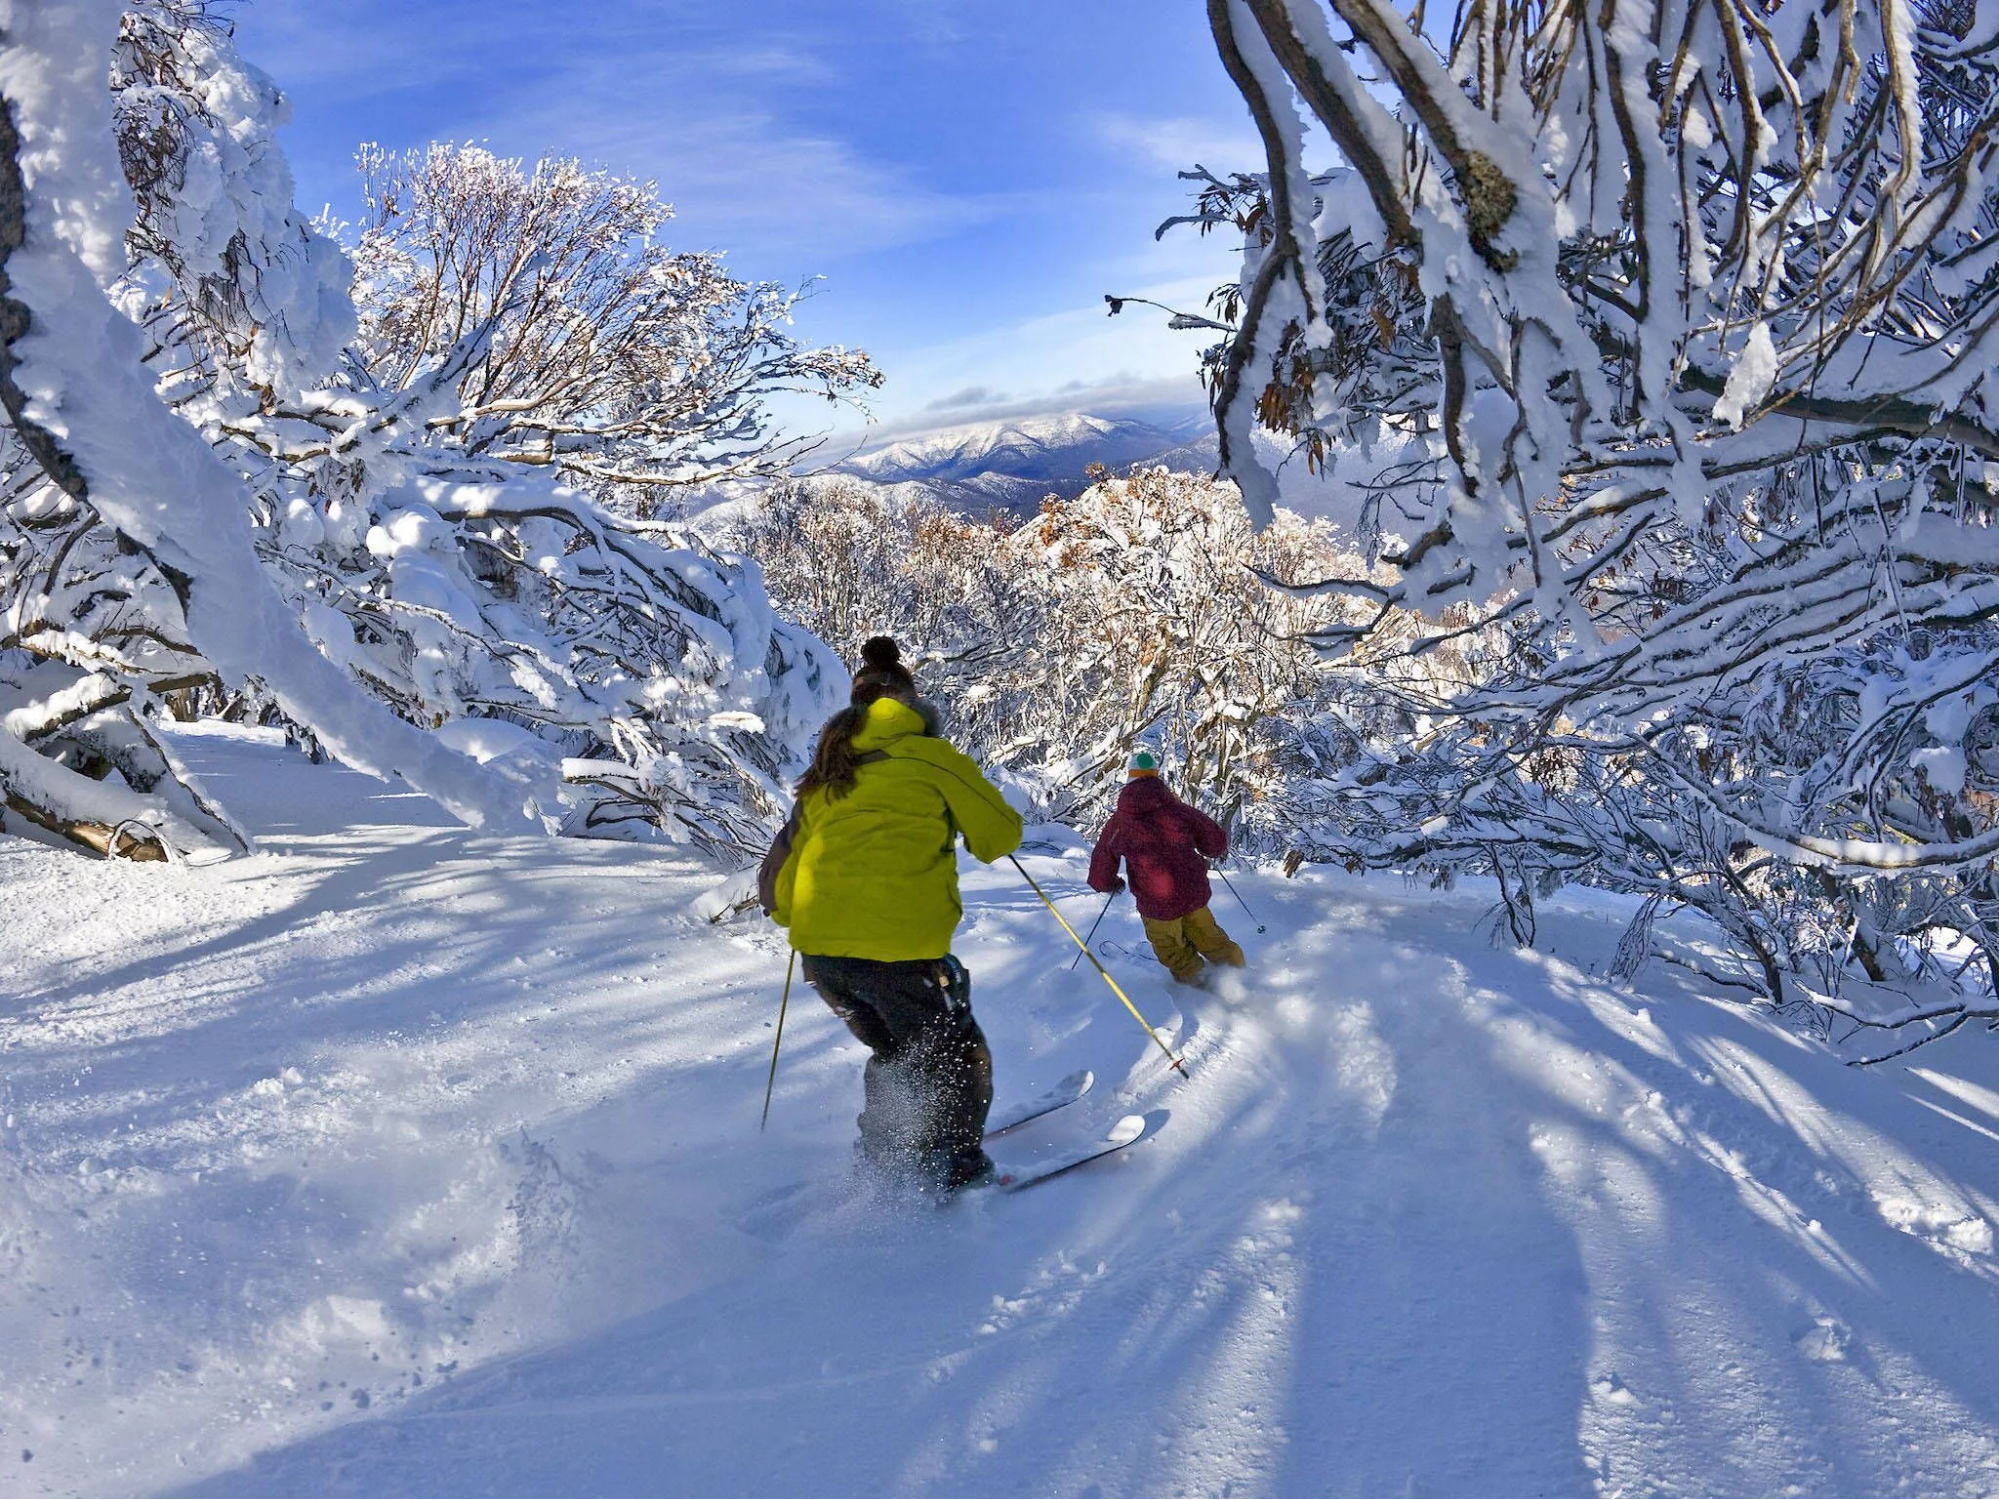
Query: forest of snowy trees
[
  {"x": 1667, "y": 355},
  {"x": 399, "y": 500},
  {"x": 1528, "y": 484},
  {"x": 1697, "y": 306}
]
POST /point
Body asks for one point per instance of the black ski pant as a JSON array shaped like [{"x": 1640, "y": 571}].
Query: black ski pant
[{"x": 929, "y": 1082}]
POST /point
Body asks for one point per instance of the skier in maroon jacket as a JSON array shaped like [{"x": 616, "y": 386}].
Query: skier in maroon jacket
[{"x": 1167, "y": 845}]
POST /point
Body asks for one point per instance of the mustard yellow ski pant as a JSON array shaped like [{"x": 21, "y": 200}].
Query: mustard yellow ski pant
[{"x": 1182, "y": 943}]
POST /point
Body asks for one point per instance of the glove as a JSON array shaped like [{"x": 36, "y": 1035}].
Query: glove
[{"x": 1117, "y": 886}]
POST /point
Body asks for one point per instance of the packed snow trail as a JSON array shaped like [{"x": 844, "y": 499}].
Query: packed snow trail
[{"x": 401, "y": 1158}]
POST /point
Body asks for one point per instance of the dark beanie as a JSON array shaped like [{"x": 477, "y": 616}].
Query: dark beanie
[{"x": 882, "y": 673}]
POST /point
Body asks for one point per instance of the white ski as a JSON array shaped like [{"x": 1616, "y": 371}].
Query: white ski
[
  {"x": 1013, "y": 1178},
  {"x": 1012, "y": 1116}
]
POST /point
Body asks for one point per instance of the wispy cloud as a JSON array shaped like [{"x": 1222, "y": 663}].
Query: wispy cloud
[
  {"x": 970, "y": 396},
  {"x": 1086, "y": 343},
  {"x": 716, "y": 112},
  {"x": 1076, "y": 359},
  {"x": 745, "y": 180},
  {"x": 1121, "y": 394},
  {"x": 971, "y": 180},
  {"x": 1177, "y": 142}
]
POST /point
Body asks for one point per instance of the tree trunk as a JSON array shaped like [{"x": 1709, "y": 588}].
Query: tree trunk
[{"x": 125, "y": 841}]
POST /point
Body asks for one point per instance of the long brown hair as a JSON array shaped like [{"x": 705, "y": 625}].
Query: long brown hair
[{"x": 835, "y": 761}]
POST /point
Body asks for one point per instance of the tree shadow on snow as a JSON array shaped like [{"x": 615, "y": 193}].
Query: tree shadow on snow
[
  {"x": 1318, "y": 1279},
  {"x": 1428, "y": 1217}
]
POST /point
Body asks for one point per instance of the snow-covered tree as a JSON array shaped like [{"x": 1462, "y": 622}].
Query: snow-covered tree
[
  {"x": 628, "y": 369},
  {"x": 206, "y": 491},
  {"x": 1695, "y": 302},
  {"x": 1165, "y": 634},
  {"x": 83, "y": 408},
  {"x": 1132, "y": 613},
  {"x": 848, "y": 559}
]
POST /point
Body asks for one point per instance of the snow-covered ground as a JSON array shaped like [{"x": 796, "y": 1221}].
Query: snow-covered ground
[{"x": 400, "y": 1158}]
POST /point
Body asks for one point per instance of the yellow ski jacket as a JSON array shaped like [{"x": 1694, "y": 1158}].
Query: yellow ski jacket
[{"x": 874, "y": 874}]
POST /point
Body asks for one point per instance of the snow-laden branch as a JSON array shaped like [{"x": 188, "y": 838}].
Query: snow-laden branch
[
  {"x": 634, "y": 370},
  {"x": 78, "y": 392},
  {"x": 1684, "y": 322},
  {"x": 208, "y": 500}
]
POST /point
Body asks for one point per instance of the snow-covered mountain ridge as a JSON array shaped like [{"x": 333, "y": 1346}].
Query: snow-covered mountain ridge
[
  {"x": 1047, "y": 447},
  {"x": 984, "y": 467},
  {"x": 1015, "y": 463}
]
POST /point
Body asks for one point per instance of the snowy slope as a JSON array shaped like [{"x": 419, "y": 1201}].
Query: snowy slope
[{"x": 401, "y": 1158}]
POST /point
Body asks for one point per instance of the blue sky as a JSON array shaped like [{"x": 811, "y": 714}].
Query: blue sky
[{"x": 969, "y": 176}]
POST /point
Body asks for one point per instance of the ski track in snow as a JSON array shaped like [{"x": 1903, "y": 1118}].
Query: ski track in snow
[{"x": 400, "y": 1158}]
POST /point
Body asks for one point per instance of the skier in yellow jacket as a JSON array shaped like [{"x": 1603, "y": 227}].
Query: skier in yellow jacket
[{"x": 865, "y": 877}]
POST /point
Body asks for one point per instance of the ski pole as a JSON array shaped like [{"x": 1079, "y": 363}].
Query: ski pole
[
  {"x": 1179, "y": 1064},
  {"x": 1239, "y": 901},
  {"x": 1093, "y": 931},
  {"x": 778, "y": 1041}
]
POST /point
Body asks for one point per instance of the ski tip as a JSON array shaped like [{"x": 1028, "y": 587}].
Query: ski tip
[{"x": 1127, "y": 1130}]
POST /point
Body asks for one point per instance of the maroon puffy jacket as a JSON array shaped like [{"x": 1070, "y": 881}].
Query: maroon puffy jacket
[{"x": 1163, "y": 840}]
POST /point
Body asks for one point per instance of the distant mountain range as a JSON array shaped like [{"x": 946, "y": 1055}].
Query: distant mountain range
[
  {"x": 983, "y": 468},
  {"x": 1013, "y": 465}
]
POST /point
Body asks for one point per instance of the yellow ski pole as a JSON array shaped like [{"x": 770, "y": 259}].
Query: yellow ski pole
[
  {"x": 778, "y": 1041},
  {"x": 1179, "y": 1064}
]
